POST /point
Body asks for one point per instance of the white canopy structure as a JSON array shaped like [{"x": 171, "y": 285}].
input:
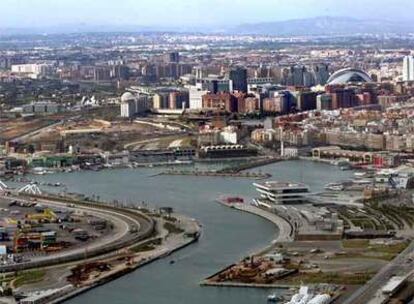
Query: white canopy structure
[
  {"x": 3, "y": 186},
  {"x": 31, "y": 189}
]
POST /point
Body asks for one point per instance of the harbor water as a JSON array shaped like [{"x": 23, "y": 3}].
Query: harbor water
[{"x": 228, "y": 235}]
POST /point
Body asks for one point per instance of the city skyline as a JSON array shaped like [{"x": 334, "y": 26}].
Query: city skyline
[
  {"x": 202, "y": 13},
  {"x": 206, "y": 151}
]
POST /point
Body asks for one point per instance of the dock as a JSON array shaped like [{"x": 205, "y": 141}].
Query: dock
[
  {"x": 236, "y": 171},
  {"x": 218, "y": 174}
]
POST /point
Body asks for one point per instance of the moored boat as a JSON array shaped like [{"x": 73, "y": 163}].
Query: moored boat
[{"x": 334, "y": 187}]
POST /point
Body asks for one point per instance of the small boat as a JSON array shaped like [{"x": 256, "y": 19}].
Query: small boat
[
  {"x": 273, "y": 298},
  {"x": 360, "y": 174},
  {"x": 172, "y": 262},
  {"x": 362, "y": 181},
  {"x": 231, "y": 200},
  {"x": 334, "y": 187},
  {"x": 39, "y": 171}
]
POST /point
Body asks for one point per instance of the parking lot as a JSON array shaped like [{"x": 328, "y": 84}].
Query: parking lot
[{"x": 30, "y": 229}]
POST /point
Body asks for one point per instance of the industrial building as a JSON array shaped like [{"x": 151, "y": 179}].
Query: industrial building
[{"x": 225, "y": 151}]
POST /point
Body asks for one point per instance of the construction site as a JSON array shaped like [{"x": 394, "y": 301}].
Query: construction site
[
  {"x": 343, "y": 245},
  {"x": 88, "y": 135},
  {"x": 15, "y": 128}
]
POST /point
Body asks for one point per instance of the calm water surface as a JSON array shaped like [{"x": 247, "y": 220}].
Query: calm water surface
[{"x": 228, "y": 235}]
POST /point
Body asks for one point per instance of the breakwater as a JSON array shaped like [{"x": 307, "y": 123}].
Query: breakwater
[
  {"x": 237, "y": 171},
  {"x": 218, "y": 174}
]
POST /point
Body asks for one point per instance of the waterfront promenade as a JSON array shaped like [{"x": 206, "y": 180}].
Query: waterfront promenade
[
  {"x": 285, "y": 229},
  {"x": 285, "y": 234}
]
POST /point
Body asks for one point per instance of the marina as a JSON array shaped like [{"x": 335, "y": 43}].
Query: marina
[{"x": 217, "y": 247}]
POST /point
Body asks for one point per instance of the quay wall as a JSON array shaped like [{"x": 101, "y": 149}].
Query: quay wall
[{"x": 127, "y": 270}]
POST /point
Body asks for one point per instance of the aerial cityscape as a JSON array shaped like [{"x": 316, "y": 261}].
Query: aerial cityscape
[{"x": 206, "y": 152}]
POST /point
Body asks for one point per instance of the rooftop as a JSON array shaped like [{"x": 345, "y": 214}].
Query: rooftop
[
  {"x": 281, "y": 185},
  {"x": 347, "y": 75}
]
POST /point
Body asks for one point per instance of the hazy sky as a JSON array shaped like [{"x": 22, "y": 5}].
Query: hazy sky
[{"x": 24, "y": 13}]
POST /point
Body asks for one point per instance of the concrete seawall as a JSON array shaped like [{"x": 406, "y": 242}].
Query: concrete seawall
[
  {"x": 251, "y": 165},
  {"x": 244, "y": 285},
  {"x": 285, "y": 235},
  {"x": 159, "y": 255},
  {"x": 285, "y": 229}
]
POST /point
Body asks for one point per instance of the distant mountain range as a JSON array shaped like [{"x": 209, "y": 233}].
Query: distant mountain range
[
  {"x": 296, "y": 27},
  {"x": 72, "y": 29},
  {"x": 325, "y": 26}
]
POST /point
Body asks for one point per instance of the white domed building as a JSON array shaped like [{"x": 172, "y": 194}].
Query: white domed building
[
  {"x": 127, "y": 96},
  {"x": 132, "y": 105},
  {"x": 128, "y": 105},
  {"x": 349, "y": 75}
]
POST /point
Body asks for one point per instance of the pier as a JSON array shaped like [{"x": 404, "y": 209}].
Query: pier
[
  {"x": 237, "y": 171},
  {"x": 218, "y": 174},
  {"x": 251, "y": 164}
]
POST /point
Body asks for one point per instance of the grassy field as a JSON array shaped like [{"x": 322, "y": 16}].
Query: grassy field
[
  {"x": 6, "y": 278},
  {"x": 355, "y": 243},
  {"x": 29, "y": 277},
  {"x": 331, "y": 278},
  {"x": 148, "y": 246},
  {"x": 172, "y": 228},
  {"x": 362, "y": 249}
]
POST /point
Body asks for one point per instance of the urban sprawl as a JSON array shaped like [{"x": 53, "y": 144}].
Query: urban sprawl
[{"x": 223, "y": 106}]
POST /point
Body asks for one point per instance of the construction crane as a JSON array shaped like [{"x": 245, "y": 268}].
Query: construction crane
[{"x": 46, "y": 215}]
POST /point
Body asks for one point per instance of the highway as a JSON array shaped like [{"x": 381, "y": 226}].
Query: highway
[{"x": 399, "y": 266}]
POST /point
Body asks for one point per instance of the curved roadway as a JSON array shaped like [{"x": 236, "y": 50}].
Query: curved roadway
[{"x": 123, "y": 225}]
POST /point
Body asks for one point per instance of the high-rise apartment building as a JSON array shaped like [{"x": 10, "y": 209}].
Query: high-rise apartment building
[
  {"x": 320, "y": 73},
  {"x": 173, "y": 57},
  {"x": 408, "y": 68},
  {"x": 238, "y": 76},
  {"x": 220, "y": 101},
  {"x": 196, "y": 96}
]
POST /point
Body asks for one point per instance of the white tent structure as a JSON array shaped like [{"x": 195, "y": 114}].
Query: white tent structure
[
  {"x": 30, "y": 189},
  {"x": 3, "y": 186}
]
